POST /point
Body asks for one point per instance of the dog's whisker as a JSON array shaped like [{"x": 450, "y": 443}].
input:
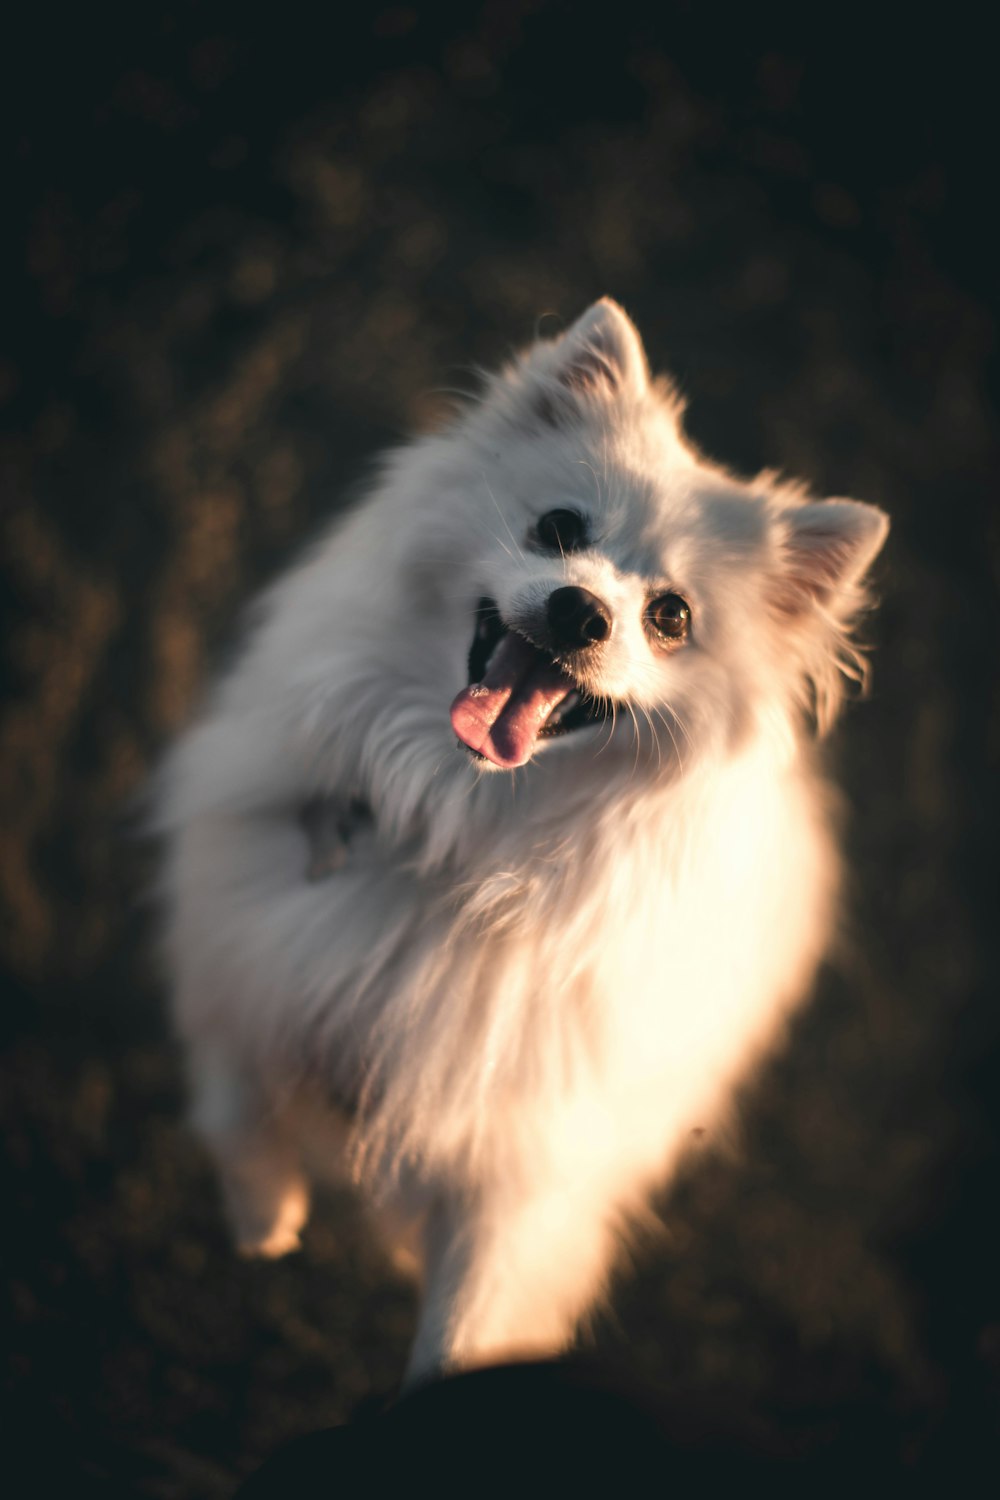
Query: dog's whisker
[
  {"x": 606, "y": 710},
  {"x": 503, "y": 518},
  {"x": 636, "y": 740},
  {"x": 593, "y": 471},
  {"x": 656, "y": 738},
  {"x": 668, "y": 726},
  {"x": 672, "y": 719}
]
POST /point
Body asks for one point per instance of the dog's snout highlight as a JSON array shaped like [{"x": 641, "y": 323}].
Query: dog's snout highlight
[{"x": 577, "y": 618}]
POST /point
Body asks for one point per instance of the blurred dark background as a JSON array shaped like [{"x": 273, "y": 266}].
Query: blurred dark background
[{"x": 241, "y": 254}]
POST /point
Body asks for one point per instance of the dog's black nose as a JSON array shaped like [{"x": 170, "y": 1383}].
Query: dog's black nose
[{"x": 577, "y": 618}]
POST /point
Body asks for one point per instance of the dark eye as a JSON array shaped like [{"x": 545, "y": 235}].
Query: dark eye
[
  {"x": 561, "y": 531},
  {"x": 669, "y": 616}
]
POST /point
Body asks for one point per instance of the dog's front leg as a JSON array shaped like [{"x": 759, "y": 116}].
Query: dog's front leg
[
  {"x": 255, "y": 1153},
  {"x": 249, "y": 934},
  {"x": 508, "y": 1278}
]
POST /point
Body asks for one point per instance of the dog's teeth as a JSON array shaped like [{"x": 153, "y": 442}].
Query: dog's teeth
[
  {"x": 564, "y": 706},
  {"x": 567, "y": 705},
  {"x": 479, "y": 690}
]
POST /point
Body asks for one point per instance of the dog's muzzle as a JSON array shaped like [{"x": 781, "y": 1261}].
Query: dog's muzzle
[{"x": 519, "y": 692}]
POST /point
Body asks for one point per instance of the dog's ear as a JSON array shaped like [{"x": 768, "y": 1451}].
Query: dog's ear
[
  {"x": 601, "y": 353},
  {"x": 825, "y": 548}
]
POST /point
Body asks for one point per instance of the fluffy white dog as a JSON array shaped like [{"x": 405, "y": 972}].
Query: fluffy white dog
[{"x": 501, "y": 853}]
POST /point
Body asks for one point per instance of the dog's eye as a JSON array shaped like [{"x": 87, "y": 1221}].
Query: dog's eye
[
  {"x": 669, "y": 616},
  {"x": 561, "y": 531}
]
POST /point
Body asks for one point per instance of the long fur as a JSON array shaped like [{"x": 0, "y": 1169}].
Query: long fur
[{"x": 518, "y": 991}]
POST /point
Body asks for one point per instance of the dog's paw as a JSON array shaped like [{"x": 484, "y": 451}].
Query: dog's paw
[
  {"x": 279, "y": 1242},
  {"x": 280, "y": 1235}
]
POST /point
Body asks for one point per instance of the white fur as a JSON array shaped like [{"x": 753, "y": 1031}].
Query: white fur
[{"x": 521, "y": 990}]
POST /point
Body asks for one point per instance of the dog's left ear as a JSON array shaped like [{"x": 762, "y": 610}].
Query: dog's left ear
[
  {"x": 825, "y": 549},
  {"x": 601, "y": 353}
]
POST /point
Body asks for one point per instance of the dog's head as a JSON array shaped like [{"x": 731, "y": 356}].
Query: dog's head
[{"x": 623, "y": 588}]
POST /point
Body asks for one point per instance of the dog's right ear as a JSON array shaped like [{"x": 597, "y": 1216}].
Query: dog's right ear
[
  {"x": 599, "y": 359},
  {"x": 602, "y": 353}
]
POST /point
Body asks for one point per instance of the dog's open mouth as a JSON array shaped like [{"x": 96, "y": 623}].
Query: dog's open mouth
[{"x": 517, "y": 695}]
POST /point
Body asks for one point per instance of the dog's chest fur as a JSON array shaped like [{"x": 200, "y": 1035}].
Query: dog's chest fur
[{"x": 624, "y": 953}]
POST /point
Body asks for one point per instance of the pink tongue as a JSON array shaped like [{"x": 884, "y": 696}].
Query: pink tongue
[{"x": 501, "y": 716}]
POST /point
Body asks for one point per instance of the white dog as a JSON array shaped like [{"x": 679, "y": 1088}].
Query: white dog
[{"x": 501, "y": 853}]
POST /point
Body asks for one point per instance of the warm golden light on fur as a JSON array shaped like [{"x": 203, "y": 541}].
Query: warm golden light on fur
[{"x": 512, "y": 983}]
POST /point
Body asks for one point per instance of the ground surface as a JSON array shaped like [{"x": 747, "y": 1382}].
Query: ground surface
[{"x": 242, "y": 262}]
